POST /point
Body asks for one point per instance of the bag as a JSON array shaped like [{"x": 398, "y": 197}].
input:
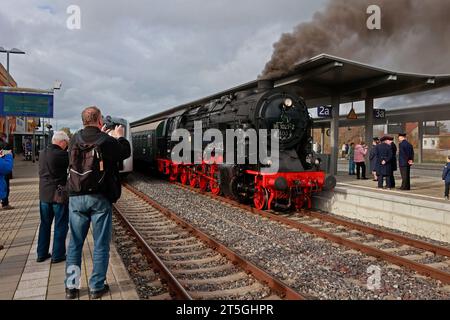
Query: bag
[
  {"x": 86, "y": 170},
  {"x": 61, "y": 195}
]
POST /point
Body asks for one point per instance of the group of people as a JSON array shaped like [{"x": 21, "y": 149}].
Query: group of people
[
  {"x": 383, "y": 161},
  {"x": 79, "y": 182}
]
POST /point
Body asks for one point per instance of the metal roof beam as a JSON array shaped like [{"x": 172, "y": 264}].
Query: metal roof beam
[
  {"x": 367, "y": 84},
  {"x": 309, "y": 74}
]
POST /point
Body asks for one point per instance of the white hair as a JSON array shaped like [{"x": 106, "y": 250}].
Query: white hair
[{"x": 60, "y": 136}]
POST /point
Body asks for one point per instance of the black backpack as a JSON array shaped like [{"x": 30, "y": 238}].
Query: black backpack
[{"x": 86, "y": 167}]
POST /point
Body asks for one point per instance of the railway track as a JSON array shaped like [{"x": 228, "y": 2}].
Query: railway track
[
  {"x": 422, "y": 257},
  {"x": 192, "y": 264}
]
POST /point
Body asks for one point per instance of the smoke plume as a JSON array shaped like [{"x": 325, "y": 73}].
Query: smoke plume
[{"x": 414, "y": 36}]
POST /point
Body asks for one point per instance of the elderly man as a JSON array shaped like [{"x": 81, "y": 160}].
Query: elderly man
[
  {"x": 405, "y": 161},
  {"x": 94, "y": 185},
  {"x": 384, "y": 155},
  {"x": 52, "y": 180}
]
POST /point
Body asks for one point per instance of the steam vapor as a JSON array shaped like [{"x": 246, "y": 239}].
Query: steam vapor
[{"x": 414, "y": 36}]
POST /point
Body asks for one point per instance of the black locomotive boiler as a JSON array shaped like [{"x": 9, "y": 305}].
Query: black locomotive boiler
[{"x": 297, "y": 173}]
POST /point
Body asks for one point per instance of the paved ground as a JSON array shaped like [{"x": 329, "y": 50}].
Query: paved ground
[
  {"x": 426, "y": 182},
  {"x": 21, "y": 277}
]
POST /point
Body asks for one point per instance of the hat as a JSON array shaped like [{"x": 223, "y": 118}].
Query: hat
[
  {"x": 386, "y": 138},
  {"x": 376, "y": 139},
  {"x": 402, "y": 134}
]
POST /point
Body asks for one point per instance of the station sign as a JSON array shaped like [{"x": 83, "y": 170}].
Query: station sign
[
  {"x": 352, "y": 115},
  {"x": 431, "y": 131},
  {"x": 21, "y": 104},
  {"x": 379, "y": 113},
  {"x": 324, "y": 112},
  {"x": 395, "y": 129}
]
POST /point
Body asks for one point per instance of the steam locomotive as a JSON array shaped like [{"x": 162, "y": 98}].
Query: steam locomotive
[{"x": 287, "y": 185}]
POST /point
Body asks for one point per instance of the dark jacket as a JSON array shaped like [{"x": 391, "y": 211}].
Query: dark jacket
[
  {"x": 53, "y": 165},
  {"x": 384, "y": 152},
  {"x": 373, "y": 158},
  {"x": 446, "y": 173},
  {"x": 394, "y": 157},
  {"x": 405, "y": 154},
  {"x": 113, "y": 151}
]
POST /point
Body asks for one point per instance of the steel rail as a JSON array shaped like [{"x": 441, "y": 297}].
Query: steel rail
[
  {"x": 275, "y": 284},
  {"x": 177, "y": 288},
  {"x": 419, "y": 244},
  {"x": 375, "y": 252}
]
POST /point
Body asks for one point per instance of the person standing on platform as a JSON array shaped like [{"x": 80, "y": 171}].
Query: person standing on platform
[
  {"x": 384, "y": 157},
  {"x": 6, "y": 166},
  {"x": 351, "y": 159},
  {"x": 446, "y": 178},
  {"x": 373, "y": 158},
  {"x": 405, "y": 161},
  {"x": 344, "y": 150},
  {"x": 94, "y": 185},
  {"x": 6, "y": 146},
  {"x": 394, "y": 162},
  {"x": 53, "y": 203},
  {"x": 360, "y": 160}
]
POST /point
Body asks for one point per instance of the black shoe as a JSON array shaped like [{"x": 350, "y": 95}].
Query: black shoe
[
  {"x": 72, "y": 293},
  {"x": 100, "y": 293},
  {"x": 59, "y": 260},
  {"x": 42, "y": 259}
]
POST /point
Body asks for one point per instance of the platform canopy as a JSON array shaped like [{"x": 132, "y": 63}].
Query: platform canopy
[{"x": 324, "y": 76}]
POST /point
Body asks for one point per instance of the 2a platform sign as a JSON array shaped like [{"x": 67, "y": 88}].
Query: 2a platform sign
[
  {"x": 324, "y": 112},
  {"x": 26, "y": 104}
]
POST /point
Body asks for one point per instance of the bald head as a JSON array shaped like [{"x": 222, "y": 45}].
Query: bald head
[{"x": 92, "y": 117}]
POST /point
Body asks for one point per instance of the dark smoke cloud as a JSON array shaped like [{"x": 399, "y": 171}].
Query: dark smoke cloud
[{"x": 414, "y": 36}]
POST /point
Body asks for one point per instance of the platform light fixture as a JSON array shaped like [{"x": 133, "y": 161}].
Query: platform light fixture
[{"x": 12, "y": 51}]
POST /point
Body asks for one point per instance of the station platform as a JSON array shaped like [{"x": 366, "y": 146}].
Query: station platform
[
  {"x": 21, "y": 277},
  {"x": 422, "y": 211}
]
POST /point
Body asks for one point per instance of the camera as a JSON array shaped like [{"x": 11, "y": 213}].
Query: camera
[{"x": 112, "y": 122}]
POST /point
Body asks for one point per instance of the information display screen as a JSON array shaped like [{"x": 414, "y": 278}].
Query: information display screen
[{"x": 26, "y": 104}]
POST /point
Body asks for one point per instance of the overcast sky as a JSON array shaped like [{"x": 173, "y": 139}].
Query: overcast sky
[{"x": 134, "y": 58}]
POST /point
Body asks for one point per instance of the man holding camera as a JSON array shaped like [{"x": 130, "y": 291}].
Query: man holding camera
[{"x": 94, "y": 184}]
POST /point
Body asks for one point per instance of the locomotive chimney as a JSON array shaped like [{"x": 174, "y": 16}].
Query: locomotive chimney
[{"x": 265, "y": 84}]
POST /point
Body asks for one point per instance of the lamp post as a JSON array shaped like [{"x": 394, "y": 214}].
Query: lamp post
[{"x": 12, "y": 51}]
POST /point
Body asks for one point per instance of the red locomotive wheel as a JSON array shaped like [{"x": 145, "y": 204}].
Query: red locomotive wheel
[
  {"x": 203, "y": 184},
  {"x": 173, "y": 174},
  {"x": 184, "y": 177},
  {"x": 214, "y": 187},
  {"x": 260, "y": 198},
  {"x": 214, "y": 184},
  {"x": 193, "y": 180}
]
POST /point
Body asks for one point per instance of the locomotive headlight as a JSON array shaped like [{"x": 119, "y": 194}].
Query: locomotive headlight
[{"x": 288, "y": 103}]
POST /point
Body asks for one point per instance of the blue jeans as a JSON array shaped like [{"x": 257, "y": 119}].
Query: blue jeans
[
  {"x": 82, "y": 211},
  {"x": 351, "y": 166},
  {"x": 59, "y": 212}
]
